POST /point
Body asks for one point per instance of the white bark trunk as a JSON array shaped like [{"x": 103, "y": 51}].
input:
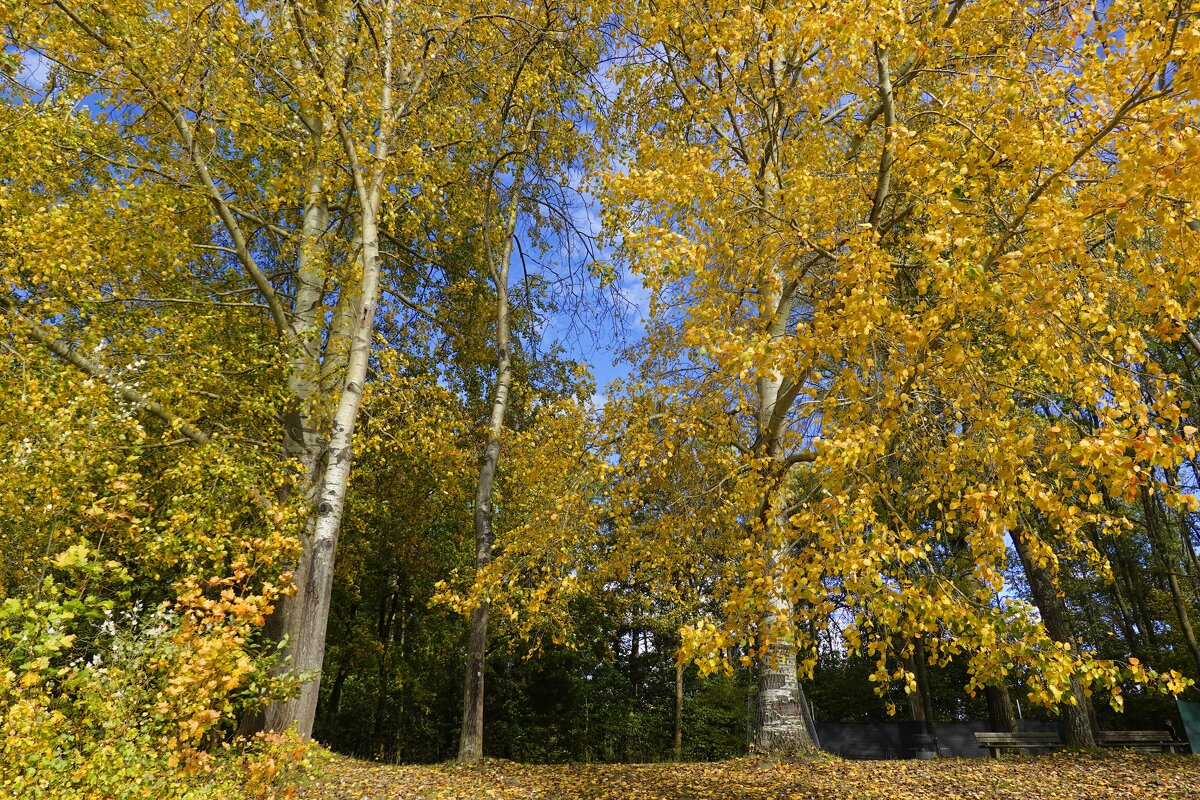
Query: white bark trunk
[{"x": 307, "y": 612}]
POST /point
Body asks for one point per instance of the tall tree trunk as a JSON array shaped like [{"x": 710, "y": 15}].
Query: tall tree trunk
[
  {"x": 302, "y": 441},
  {"x": 1156, "y": 516},
  {"x": 1078, "y": 723},
  {"x": 335, "y": 695},
  {"x": 470, "y": 742},
  {"x": 921, "y": 661},
  {"x": 1185, "y": 622},
  {"x": 306, "y": 613}
]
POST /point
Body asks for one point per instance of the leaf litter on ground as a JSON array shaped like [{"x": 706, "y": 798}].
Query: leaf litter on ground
[{"x": 1061, "y": 776}]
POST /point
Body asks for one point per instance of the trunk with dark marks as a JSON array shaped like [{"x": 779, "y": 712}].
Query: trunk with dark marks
[{"x": 779, "y": 724}]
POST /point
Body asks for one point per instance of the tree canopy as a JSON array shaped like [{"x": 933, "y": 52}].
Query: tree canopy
[{"x": 303, "y": 307}]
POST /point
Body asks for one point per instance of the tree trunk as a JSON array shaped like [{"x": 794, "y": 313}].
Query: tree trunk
[
  {"x": 1076, "y": 719},
  {"x": 1185, "y": 623},
  {"x": 335, "y": 695},
  {"x": 916, "y": 707},
  {"x": 306, "y": 613},
  {"x": 921, "y": 661},
  {"x": 1000, "y": 709},
  {"x": 470, "y": 743},
  {"x": 779, "y": 724},
  {"x": 1170, "y": 565},
  {"x": 678, "y": 711}
]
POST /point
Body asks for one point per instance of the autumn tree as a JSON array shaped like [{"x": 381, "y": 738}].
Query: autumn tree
[
  {"x": 860, "y": 222},
  {"x": 311, "y": 134},
  {"x": 532, "y": 142}
]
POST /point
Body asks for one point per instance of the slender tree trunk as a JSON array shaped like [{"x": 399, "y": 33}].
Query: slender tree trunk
[
  {"x": 470, "y": 746},
  {"x": 1185, "y": 622},
  {"x": 470, "y": 743},
  {"x": 678, "y": 711},
  {"x": 335, "y": 695},
  {"x": 921, "y": 661},
  {"x": 1077, "y": 721},
  {"x": 1141, "y": 614},
  {"x": 1169, "y": 564}
]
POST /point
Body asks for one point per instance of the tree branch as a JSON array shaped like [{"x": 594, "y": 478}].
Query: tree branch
[{"x": 94, "y": 370}]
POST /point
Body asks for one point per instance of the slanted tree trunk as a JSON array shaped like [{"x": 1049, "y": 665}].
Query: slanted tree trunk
[
  {"x": 1185, "y": 622},
  {"x": 1161, "y": 546},
  {"x": 1078, "y": 723},
  {"x": 306, "y": 613},
  {"x": 335, "y": 695}
]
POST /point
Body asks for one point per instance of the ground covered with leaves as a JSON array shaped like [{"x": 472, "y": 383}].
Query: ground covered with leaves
[{"x": 1027, "y": 778}]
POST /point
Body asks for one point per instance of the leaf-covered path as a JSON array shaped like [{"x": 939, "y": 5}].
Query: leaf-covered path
[{"x": 1049, "y": 778}]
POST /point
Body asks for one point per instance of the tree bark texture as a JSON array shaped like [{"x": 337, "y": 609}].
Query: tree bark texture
[
  {"x": 779, "y": 724},
  {"x": 1077, "y": 722},
  {"x": 1000, "y": 709},
  {"x": 306, "y": 613}
]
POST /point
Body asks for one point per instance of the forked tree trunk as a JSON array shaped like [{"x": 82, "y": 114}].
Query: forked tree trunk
[{"x": 306, "y": 613}]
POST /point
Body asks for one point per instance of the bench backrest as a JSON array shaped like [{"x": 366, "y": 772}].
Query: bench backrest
[
  {"x": 1135, "y": 736},
  {"x": 1017, "y": 738}
]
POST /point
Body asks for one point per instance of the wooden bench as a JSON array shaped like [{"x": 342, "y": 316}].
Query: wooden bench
[
  {"x": 1159, "y": 740},
  {"x": 995, "y": 742}
]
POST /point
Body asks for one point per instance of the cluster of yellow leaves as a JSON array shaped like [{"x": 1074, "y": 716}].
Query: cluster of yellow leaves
[
  {"x": 547, "y": 516},
  {"x": 136, "y": 577}
]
